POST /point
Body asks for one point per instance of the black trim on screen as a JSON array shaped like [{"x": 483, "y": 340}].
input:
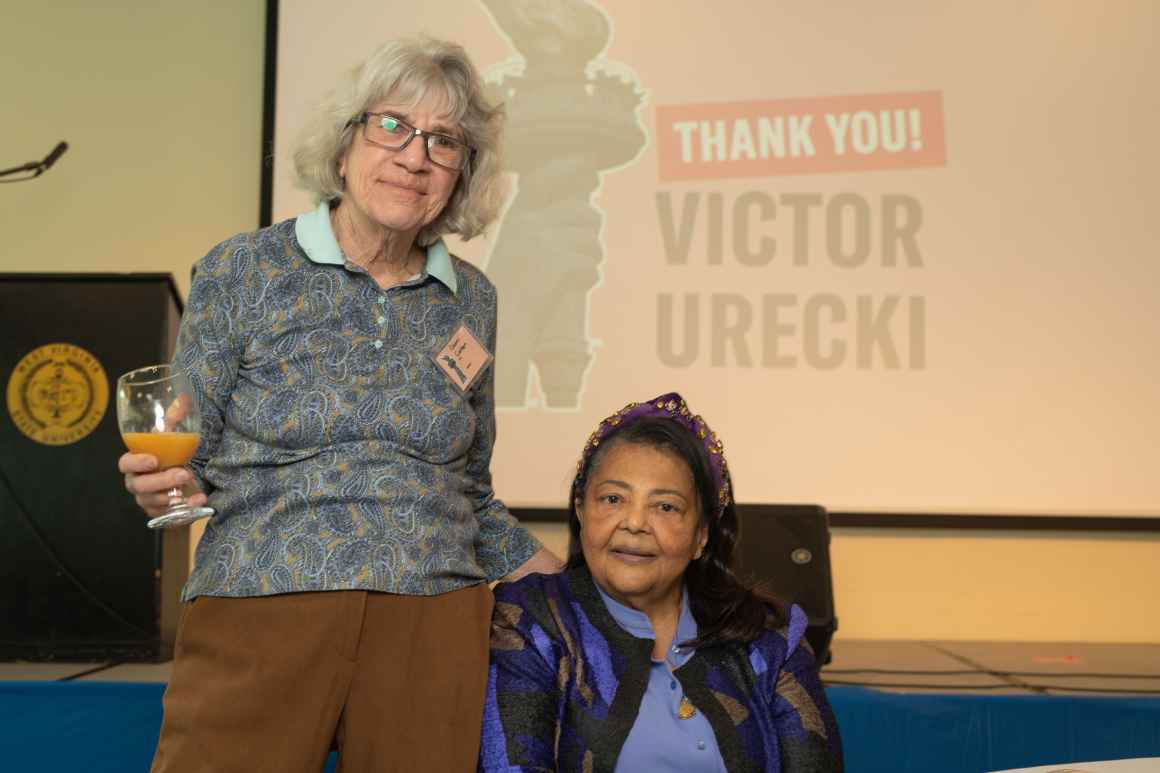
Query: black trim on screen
[
  {"x": 269, "y": 91},
  {"x": 972, "y": 522}
]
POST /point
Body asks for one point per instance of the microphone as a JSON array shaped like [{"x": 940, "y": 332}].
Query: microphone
[
  {"x": 51, "y": 158},
  {"x": 37, "y": 168}
]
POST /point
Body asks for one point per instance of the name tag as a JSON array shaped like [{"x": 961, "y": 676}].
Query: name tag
[{"x": 463, "y": 359}]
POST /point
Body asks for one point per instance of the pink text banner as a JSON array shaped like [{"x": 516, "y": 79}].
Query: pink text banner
[{"x": 800, "y": 136}]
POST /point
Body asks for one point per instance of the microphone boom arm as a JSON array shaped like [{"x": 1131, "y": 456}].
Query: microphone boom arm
[{"x": 40, "y": 167}]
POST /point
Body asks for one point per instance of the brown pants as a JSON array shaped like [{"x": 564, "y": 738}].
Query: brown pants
[{"x": 267, "y": 684}]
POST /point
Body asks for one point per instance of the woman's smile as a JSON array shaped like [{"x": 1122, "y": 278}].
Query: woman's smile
[{"x": 633, "y": 555}]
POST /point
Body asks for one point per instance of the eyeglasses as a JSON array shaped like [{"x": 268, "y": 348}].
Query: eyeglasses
[{"x": 385, "y": 130}]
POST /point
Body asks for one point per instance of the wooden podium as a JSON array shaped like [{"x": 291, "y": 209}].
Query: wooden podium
[{"x": 81, "y": 577}]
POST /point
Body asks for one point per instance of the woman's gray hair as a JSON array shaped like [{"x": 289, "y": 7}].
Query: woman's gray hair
[{"x": 407, "y": 71}]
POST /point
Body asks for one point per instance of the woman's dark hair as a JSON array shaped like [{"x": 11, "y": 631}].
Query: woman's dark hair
[{"x": 725, "y": 608}]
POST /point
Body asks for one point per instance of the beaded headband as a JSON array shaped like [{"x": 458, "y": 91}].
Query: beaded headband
[{"x": 668, "y": 406}]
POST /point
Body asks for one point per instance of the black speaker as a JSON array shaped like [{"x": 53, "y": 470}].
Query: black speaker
[
  {"x": 788, "y": 548},
  {"x": 81, "y": 577}
]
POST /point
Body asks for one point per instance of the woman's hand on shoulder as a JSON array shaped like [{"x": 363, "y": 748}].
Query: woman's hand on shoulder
[
  {"x": 543, "y": 561},
  {"x": 150, "y": 488}
]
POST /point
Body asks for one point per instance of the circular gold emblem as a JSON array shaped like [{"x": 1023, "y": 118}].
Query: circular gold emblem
[{"x": 57, "y": 394}]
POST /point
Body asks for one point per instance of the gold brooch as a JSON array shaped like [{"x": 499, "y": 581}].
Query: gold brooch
[{"x": 686, "y": 709}]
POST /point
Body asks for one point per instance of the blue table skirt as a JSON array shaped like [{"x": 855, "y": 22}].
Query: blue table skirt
[
  {"x": 971, "y": 733},
  {"x": 109, "y": 726}
]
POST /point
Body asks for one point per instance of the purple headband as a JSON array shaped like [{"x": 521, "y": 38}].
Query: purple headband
[{"x": 668, "y": 406}]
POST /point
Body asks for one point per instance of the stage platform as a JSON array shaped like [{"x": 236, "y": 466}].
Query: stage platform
[
  {"x": 926, "y": 707},
  {"x": 999, "y": 668}
]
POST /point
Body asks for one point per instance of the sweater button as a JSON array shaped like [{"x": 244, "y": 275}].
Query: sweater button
[{"x": 701, "y": 745}]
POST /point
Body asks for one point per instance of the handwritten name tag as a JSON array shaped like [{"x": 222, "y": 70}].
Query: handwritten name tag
[{"x": 463, "y": 359}]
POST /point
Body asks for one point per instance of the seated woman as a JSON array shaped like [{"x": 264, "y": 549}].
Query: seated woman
[{"x": 647, "y": 653}]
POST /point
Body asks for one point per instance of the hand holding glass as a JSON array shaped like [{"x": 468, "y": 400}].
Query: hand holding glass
[{"x": 158, "y": 415}]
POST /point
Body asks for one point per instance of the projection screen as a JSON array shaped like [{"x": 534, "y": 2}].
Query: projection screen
[{"x": 902, "y": 256}]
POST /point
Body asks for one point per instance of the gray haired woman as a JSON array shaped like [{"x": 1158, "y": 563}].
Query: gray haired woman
[{"x": 341, "y": 364}]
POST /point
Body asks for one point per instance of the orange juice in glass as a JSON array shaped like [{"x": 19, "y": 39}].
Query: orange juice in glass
[
  {"x": 158, "y": 415},
  {"x": 172, "y": 449}
]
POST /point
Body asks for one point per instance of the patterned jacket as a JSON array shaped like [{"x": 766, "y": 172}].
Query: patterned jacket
[{"x": 566, "y": 682}]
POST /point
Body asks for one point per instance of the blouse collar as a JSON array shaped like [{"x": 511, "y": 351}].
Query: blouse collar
[{"x": 636, "y": 623}]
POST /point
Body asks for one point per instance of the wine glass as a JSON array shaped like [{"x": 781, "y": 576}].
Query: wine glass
[{"x": 157, "y": 414}]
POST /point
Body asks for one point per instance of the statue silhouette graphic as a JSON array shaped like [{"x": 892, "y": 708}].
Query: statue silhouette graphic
[
  {"x": 569, "y": 120},
  {"x": 453, "y": 365}
]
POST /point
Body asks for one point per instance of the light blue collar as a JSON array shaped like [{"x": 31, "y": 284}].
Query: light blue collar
[
  {"x": 635, "y": 622},
  {"x": 317, "y": 239}
]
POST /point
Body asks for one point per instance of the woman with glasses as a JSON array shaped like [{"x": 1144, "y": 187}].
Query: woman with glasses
[{"x": 342, "y": 361}]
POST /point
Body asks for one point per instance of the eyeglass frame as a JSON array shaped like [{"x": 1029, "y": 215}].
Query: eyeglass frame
[{"x": 363, "y": 118}]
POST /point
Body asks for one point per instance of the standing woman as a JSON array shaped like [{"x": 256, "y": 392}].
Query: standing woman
[{"x": 341, "y": 361}]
